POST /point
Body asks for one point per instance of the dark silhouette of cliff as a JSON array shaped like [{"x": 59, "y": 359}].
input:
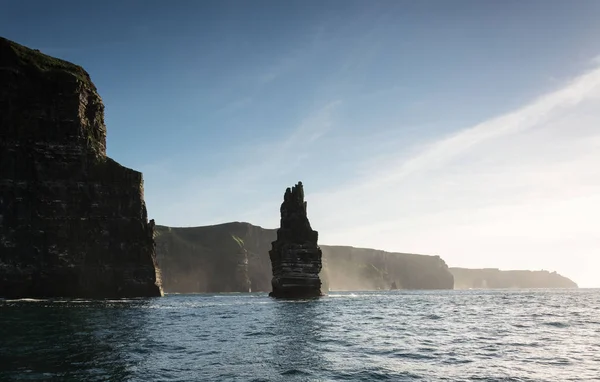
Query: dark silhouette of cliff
[
  {"x": 234, "y": 257},
  {"x": 73, "y": 222},
  {"x": 493, "y": 278}
]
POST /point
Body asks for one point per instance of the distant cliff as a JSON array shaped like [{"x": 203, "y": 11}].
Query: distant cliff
[
  {"x": 348, "y": 268},
  {"x": 494, "y": 278},
  {"x": 233, "y": 257},
  {"x": 72, "y": 221}
]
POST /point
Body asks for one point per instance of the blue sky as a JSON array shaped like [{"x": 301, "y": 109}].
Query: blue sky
[{"x": 466, "y": 128}]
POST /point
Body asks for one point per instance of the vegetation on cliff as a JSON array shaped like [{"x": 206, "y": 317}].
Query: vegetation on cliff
[{"x": 22, "y": 57}]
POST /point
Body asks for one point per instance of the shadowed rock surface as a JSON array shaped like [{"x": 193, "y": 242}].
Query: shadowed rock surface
[
  {"x": 73, "y": 222},
  {"x": 207, "y": 259},
  {"x": 295, "y": 255},
  {"x": 493, "y": 278}
]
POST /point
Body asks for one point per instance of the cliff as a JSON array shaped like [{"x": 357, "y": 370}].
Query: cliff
[
  {"x": 229, "y": 257},
  {"x": 73, "y": 222},
  {"x": 295, "y": 255},
  {"x": 214, "y": 259},
  {"x": 494, "y": 278}
]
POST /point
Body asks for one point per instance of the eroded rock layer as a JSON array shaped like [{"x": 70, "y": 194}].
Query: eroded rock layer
[
  {"x": 295, "y": 255},
  {"x": 73, "y": 222}
]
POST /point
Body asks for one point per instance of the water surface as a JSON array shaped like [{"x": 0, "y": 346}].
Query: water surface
[{"x": 527, "y": 335}]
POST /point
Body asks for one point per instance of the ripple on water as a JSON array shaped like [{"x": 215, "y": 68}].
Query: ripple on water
[
  {"x": 413, "y": 356},
  {"x": 294, "y": 372},
  {"x": 256, "y": 334},
  {"x": 556, "y": 324},
  {"x": 407, "y": 336}
]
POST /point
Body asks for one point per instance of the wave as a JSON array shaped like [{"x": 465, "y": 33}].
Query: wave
[{"x": 556, "y": 324}]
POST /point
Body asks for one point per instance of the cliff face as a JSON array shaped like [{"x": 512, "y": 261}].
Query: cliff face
[
  {"x": 203, "y": 259},
  {"x": 295, "y": 255},
  {"x": 222, "y": 258},
  {"x": 73, "y": 222},
  {"x": 494, "y": 278}
]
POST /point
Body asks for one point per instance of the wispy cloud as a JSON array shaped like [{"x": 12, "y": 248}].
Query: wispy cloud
[
  {"x": 514, "y": 191},
  {"x": 283, "y": 65},
  {"x": 530, "y": 116},
  {"x": 313, "y": 127},
  {"x": 235, "y": 105},
  {"x": 235, "y": 191}
]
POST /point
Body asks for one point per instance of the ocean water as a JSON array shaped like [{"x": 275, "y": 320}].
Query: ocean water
[{"x": 526, "y": 335}]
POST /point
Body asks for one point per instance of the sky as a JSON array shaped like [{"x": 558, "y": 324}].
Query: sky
[{"x": 467, "y": 129}]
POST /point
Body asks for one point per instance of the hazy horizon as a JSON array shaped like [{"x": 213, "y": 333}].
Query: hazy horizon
[{"x": 463, "y": 129}]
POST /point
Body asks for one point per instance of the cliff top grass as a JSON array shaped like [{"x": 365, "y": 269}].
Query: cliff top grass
[{"x": 22, "y": 56}]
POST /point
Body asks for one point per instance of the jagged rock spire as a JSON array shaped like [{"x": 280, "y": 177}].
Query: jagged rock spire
[{"x": 295, "y": 255}]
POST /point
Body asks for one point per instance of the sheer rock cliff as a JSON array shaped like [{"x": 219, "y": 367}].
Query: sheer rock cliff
[{"x": 73, "y": 222}]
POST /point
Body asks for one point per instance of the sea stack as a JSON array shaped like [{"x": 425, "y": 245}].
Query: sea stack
[
  {"x": 73, "y": 222},
  {"x": 295, "y": 255}
]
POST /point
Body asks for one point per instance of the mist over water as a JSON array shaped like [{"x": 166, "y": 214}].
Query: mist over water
[{"x": 527, "y": 335}]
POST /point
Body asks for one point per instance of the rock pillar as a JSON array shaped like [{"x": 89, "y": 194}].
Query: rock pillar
[{"x": 295, "y": 255}]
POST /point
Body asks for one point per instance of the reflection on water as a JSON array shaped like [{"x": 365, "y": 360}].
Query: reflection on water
[
  {"x": 70, "y": 340},
  {"x": 299, "y": 326}
]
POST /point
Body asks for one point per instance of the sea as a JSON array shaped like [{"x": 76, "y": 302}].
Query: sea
[{"x": 473, "y": 335}]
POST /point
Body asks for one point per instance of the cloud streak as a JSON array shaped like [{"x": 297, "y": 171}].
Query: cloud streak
[
  {"x": 515, "y": 191},
  {"x": 235, "y": 191},
  {"x": 520, "y": 120}
]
